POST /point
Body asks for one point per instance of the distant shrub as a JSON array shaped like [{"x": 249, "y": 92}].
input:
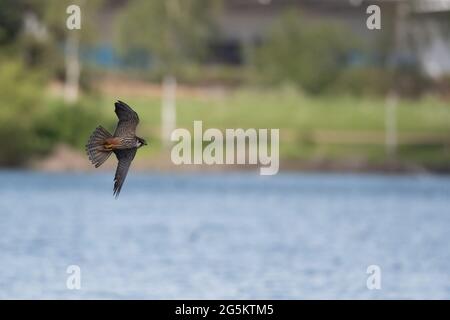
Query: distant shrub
[
  {"x": 410, "y": 81},
  {"x": 443, "y": 86},
  {"x": 360, "y": 81},
  {"x": 303, "y": 51},
  {"x": 29, "y": 125},
  {"x": 16, "y": 147},
  {"x": 21, "y": 101},
  {"x": 69, "y": 124}
]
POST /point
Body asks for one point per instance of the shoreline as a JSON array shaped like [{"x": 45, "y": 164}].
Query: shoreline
[{"x": 66, "y": 159}]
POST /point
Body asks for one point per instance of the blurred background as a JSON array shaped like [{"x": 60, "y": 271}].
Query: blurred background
[{"x": 374, "y": 104}]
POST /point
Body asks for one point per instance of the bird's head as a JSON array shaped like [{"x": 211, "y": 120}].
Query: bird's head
[{"x": 141, "y": 142}]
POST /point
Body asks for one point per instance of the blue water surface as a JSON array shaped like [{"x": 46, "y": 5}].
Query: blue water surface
[{"x": 224, "y": 236}]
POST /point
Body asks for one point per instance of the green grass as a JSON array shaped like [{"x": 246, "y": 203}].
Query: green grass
[{"x": 299, "y": 117}]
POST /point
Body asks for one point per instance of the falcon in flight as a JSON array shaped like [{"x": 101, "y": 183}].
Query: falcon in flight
[{"x": 124, "y": 143}]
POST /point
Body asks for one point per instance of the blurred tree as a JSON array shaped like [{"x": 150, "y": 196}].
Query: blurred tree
[
  {"x": 31, "y": 33},
  {"x": 306, "y": 52},
  {"x": 55, "y": 15},
  {"x": 10, "y": 20},
  {"x": 363, "y": 81},
  {"x": 20, "y": 89},
  {"x": 174, "y": 32}
]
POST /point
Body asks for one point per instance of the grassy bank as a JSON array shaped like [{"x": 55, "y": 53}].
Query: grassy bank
[{"x": 311, "y": 128}]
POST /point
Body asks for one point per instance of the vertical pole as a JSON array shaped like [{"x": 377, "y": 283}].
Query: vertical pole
[
  {"x": 391, "y": 125},
  {"x": 400, "y": 33},
  {"x": 168, "y": 109},
  {"x": 71, "y": 84}
]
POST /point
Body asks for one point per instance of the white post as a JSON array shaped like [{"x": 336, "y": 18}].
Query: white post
[
  {"x": 168, "y": 109},
  {"x": 72, "y": 68},
  {"x": 391, "y": 124}
]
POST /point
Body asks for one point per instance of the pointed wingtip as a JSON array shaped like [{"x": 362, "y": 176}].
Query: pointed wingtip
[
  {"x": 121, "y": 105},
  {"x": 116, "y": 191}
]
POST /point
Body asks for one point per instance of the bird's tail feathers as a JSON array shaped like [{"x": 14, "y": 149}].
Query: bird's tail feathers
[{"x": 95, "y": 146}]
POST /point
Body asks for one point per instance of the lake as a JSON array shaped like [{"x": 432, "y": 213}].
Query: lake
[{"x": 224, "y": 236}]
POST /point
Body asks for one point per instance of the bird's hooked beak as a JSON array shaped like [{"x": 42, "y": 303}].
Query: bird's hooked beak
[{"x": 142, "y": 142}]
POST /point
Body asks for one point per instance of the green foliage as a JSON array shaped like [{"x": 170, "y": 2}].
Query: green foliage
[
  {"x": 20, "y": 91},
  {"x": 28, "y": 128},
  {"x": 10, "y": 20},
  {"x": 306, "y": 52},
  {"x": 361, "y": 81},
  {"x": 410, "y": 81},
  {"x": 53, "y": 13},
  {"x": 174, "y": 31},
  {"x": 69, "y": 124}
]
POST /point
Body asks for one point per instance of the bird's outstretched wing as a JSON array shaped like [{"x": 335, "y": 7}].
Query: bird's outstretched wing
[
  {"x": 125, "y": 157},
  {"x": 128, "y": 120}
]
